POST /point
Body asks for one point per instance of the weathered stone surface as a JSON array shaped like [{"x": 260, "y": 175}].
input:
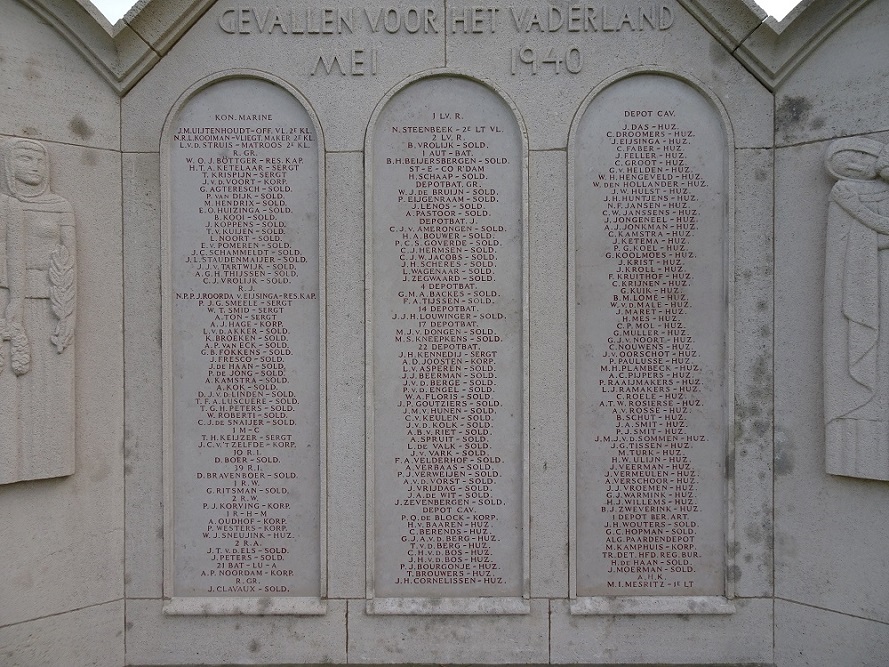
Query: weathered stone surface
[
  {"x": 807, "y": 635},
  {"x": 157, "y": 639},
  {"x": 807, "y": 562},
  {"x": 143, "y": 384},
  {"x": 549, "y": 392},
  {"x": 345, "y": 380},
  {"x": 845, "y": 70},
  {"x": 77, "y": 548},
  {"x": 89, "y": 636},
  {"x": 743, "y": 637},
  {"x": 512, "y": 639}
]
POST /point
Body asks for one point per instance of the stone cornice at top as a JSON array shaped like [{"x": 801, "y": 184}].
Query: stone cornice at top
[{"x": 125, "y": 52}]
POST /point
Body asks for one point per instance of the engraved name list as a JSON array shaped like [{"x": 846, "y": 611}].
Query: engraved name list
[
  {"x": 650, "y": 326},
  {"x": 447, "y": 345},
  {"x": 244, "y": 255}
]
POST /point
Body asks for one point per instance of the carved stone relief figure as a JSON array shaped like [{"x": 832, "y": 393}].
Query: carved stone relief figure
[
  {"x": 856, "y": 310},
  {"x": 40, "y": 316},
  {"x": 15, "y": 354}
]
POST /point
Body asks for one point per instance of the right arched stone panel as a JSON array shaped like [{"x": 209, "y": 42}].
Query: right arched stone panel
[{"x": 650, "y": 340}]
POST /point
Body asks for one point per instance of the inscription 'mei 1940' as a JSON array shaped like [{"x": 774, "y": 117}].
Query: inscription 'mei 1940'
[{"x": 364, "y": 59}]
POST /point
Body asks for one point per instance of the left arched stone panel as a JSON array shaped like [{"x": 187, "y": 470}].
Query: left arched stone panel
[{"x": 243, "y": 345}]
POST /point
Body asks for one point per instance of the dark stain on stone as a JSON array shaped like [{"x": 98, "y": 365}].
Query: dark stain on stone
[
  {"x": 729, "y": 466},
  {"x": 159, "y": 533},
  {"x": 29, "y": 131},
  {"x": 762, "y": 305},
  {"x": 818, "y": 123},
  {"x": 32, "y": 69},
  {"x": 79, "y": 127},
  {"x": 792, "y": 111},
  {"x": 734, "y": 573},
  {"x": 761, "y": 428},
  {"x": 755, "y": 532},
  {"x": 129, "y": 625},
  {"x": 254, "y": 646},
  {"x": 718, "y": 53},
  {"x": 127, "y": 469},
  {"x": 760, "y": 391},
  {"x": 127, "y": 579},
  {"x": 748, "y": 558},
  {"x": 761, "y": 175},
  {"x": 761, "y": 370},
  {"x": 751, "y": 410},
  {"x": 90, "y": 158}
]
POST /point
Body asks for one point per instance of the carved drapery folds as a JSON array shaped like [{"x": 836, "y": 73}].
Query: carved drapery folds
[
  {"x": 856, "y": 310},
  {"x": 37, "y": 318}
]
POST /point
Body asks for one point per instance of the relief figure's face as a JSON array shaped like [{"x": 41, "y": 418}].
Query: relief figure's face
[{"x": 29, "y": 166}]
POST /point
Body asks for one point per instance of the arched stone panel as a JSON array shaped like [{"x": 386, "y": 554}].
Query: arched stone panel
[
  {"x": 447, "y": 345},
  {"x": 244, "y": 399}
]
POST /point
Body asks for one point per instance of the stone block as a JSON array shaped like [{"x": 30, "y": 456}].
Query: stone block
[
  {"x": 143, "y": 446},
  {"x": 345, "y": 380},
  {"x": 154, "y": 638},
  {"x": 549, "y": 375},
  {"x": 811, "y": 636},
  {"x": 744, "y": 637},
  {"x": 89, "y": 636},
  {"x": 452, "y": 639}
]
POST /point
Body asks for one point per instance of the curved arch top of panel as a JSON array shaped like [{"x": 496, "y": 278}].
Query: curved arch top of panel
[
  {"x": 651, "y": 337},
  {"x": 447, "y": 352},
  {"x": 244, "y": 431}
]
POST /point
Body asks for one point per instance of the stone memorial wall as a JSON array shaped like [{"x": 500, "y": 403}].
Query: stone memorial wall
[{"x": 443, "y": 333}]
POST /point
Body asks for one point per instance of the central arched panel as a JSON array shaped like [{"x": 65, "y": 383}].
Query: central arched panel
[{"x": 447, "y": 334}]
